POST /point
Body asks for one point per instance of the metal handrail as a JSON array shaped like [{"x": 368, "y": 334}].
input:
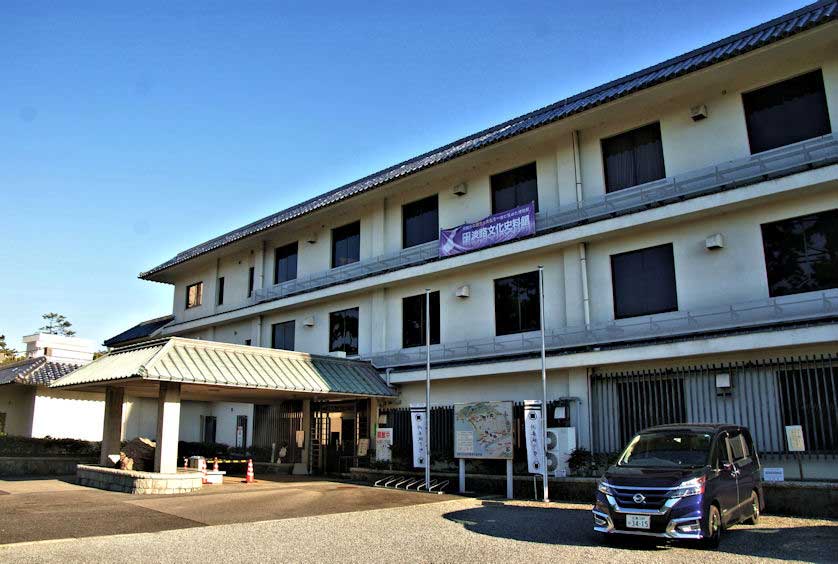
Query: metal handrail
[
  {"x": 802, "y": 307},
  {"x": 819, "y": 151}
]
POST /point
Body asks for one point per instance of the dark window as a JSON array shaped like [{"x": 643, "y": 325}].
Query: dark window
[
  {"x": 517, "y": 304},
  {"x": 801, "y": 253},
  {"x": 220, "y": 292},
  {"x": 208, "y": 432},
  {"x": 343, "y": 331},
  {"x": 420, "y": 221},
  {"x": 194, "y": 294},
  {"x": 247, "y": 342},
  {"x": 251, "y": 277},
  {"x": 632, "y": 158},
  {"x": 644, "y": 282},
  {"x": 720, "y": 454},
  {"x": 808, "y": 398},
  {"x": 738, "y": 448},
  {"x": 514, "y": 188},
  {"x": 2, "y": 422},
  {"x": 413, "y": 320},
  {"x": 285, "y": 263},
  {"x": 786, "y": 112},
  {"x": 346, "y": 244},
  {"x": 282, "y": 335}
]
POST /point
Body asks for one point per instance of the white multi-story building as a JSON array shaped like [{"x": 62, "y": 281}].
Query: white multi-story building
[{"x": 686, "y": 217}]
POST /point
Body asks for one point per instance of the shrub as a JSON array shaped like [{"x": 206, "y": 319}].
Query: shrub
[
  {"x": 47, "y": 446},
  {"x": 583, "y": 462},
  {"x": 186, "y": 449}
]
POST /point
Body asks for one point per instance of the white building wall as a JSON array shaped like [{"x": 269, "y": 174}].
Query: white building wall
[
  {"x": 18, "y": 403},
  {"x": 68, "y": 415}
]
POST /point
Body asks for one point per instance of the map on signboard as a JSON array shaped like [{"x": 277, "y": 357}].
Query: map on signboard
[{"x": 483, "y": 430}]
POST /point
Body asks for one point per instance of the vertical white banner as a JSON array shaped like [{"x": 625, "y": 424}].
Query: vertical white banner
[
  {"x": 533, "y": 434},
  {"x": 417, "y": 423}
]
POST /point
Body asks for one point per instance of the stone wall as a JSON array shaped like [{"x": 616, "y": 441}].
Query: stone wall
[
  {"x": 22, "y": 466},
  {"x": 129, "y": 481}
]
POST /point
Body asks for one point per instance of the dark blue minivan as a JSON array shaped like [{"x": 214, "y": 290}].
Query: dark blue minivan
[{"x": 685, "y": 481}]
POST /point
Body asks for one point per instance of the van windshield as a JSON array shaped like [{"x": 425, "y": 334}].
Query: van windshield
[{"x": 667, "y": 449}]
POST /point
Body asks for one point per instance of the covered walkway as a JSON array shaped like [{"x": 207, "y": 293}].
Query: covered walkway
[{"x": 175, "y": 369}]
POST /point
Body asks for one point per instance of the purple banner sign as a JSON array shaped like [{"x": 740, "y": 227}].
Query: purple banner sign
[{"x": 498, "y": 228}]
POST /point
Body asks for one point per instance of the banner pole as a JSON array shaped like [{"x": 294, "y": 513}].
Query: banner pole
[
  {"x": 543, "y": 386},
  {"x": 428, "y": 389}
]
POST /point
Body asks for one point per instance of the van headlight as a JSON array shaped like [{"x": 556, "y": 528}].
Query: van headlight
[
  {"x": 688, "y": 488},
  {"x": 603, "y": 486}
]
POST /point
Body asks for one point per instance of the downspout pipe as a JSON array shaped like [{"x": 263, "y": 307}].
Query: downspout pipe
[{"x": 583, "y": 255}]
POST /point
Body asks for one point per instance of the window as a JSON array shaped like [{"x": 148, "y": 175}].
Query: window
[
  {"x": 282, "y": 335},
  {"x": 644, "y": 282},
  {"x": 247, "y": 342},
  {"x": 517, "y": 304},
  {"x": 801, "y": 253},
  {"x": 194, "y": 294},
  {"x": 720, "y": 454},
  {"x": 420, "y": 222},
  {"x": 738, "y": 448},
  {"x": 220, "y": 292},
  {"x": 251, "y": 278},
  {"x": 807, "y": 397},
  {"x": 2, "y": 422},
  {"x": 632, "y": 158},
  {"x": 208, "y": 429},
  {"x": 413, "y": 320},
  {"x": 514, "y": 188},
  {"x": 346, "y": 244},
  {"x": 285, "y": 263},
  {"x": 343, "y": 331},
  {"x": 786, "y": 112}
]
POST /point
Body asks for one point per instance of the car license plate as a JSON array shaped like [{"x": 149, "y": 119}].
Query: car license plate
[{"x": 637, "y": 521}]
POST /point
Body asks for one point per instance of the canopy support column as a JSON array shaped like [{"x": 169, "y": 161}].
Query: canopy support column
[
  {"x": 168, "y": 428},
  {"x": 112, "y": 424}
]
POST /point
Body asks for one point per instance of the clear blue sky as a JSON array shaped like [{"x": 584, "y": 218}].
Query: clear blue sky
[{"x": 130, "y": 131}]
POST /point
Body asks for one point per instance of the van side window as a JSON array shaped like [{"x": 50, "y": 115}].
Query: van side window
[
  {"x": 720, "y": 457},
  {"x": 738, "y": 448}
]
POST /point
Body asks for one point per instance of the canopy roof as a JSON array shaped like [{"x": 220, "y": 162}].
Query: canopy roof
[{"x": 191, "y": 361}]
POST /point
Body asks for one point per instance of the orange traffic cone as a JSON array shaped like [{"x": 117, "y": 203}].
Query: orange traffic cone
[
  {"x": 249, "y": 478},
  {"x": 185, "y": 463},
  {"x": 215, "y": 465},
  {"x": 203, "y": 468}
]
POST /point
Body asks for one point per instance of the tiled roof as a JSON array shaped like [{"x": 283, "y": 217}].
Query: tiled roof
[
  {"x": 140, "y": 331},
  {"x": 764, "y": 34},
  {"x": 192, "y": 361},
  {"x": 34, "y": 371}
]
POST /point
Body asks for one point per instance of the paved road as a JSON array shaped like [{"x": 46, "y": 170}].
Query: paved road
[{"x": 455, "y": 530}]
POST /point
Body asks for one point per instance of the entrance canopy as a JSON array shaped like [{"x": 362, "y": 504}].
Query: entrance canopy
[{"x": 237, "y": 371}]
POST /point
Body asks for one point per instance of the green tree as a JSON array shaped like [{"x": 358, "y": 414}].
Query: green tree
[
  {"x": 7, "y": 354},
  {"x": 57, "y": 324}
]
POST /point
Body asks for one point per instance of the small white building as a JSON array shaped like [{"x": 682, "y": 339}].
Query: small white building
[{"x": 30, "y": 408}]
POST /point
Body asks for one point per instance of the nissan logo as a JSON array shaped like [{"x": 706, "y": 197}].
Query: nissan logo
[{"x": 639, "y": 498}]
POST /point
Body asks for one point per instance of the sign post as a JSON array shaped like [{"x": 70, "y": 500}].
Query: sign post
[
  {"x": 796, "y": 444},
  {"x": 484, "y": 430}
]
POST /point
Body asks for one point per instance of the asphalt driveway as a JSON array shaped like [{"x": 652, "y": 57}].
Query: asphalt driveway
[{"x": 45, "y": 509}]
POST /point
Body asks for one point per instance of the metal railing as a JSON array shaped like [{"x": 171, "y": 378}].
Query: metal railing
[
  {"x": 763, "y": 395},
  {"x": 811, "y": 306},
  {"x": 820, "y": 151}
]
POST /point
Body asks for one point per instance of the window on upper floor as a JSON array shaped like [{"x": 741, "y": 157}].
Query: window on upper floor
[
  {"x": 285, "y": 263},
  {"x": 247, "y": 342},
  {"x": 194, "y": 294},
  {"x": 413, "y": 320},
  {"x": 644, "y": 282},
  {"x": 251, "y": 278},
  {"x": 343, "y": 331},
  {"x": 786, "y": 112},
  {"x": 517, "y": 304},
  {"x": 514, "y": 188},
  {"x": 346, "y": 244},
  {"x": 219, "y": 292},
  {"x": 632, "y": 158},
  {"x": 420, "y": 221},
  {"x": 801, "y": 253},
  {"x": 282, "y": 335}
]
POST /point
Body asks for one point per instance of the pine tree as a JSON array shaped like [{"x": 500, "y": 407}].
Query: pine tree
[{"x": 57, "y": 324}]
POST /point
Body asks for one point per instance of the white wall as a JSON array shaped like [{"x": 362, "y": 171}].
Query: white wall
[
  {"x": 68, "y": 415},
  {"x": 17, "y": 402}
]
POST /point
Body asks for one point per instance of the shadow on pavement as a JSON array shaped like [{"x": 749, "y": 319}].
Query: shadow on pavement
[{"x": 573, "y": 527}]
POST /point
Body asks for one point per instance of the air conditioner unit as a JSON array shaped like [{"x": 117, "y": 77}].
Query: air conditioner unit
[
  {"x": 698, "y": 113},
  {"x": 561, "y": 441},
  {"x": 463, "y": 291},
  {"x": 460, "y": 189}
]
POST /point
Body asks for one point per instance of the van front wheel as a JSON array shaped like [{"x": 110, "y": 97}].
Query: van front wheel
[
  {"x": 754, "y": 505},
  {"x": 712, "y": 528}
]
